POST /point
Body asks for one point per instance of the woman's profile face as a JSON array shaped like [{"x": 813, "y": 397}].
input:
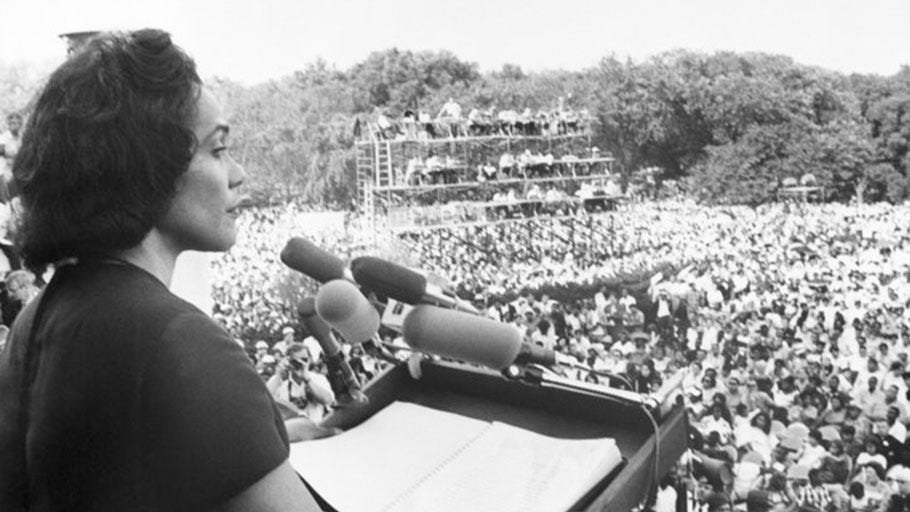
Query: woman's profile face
[{"x": 205, "y": 206}]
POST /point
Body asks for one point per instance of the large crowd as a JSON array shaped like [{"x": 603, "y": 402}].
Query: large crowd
[
  {"x": 442, "y": 168},
  {"x": 451, "y": 121},
  {"x": 790, "y": 320}
]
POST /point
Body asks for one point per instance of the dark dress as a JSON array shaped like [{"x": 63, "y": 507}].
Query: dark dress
[{"x": 139, "y": 401}]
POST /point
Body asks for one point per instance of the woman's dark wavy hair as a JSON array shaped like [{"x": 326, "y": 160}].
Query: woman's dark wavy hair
[
  {"x": 754, "y": 422},
  {"x": 102, "y": 151}
]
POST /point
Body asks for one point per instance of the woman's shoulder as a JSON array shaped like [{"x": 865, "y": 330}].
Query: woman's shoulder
[
  {"x": 122, "y": 305},
  {"x": 120, "y": 289}
]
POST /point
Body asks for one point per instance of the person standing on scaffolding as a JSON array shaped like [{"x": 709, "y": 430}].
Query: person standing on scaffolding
[{"x": 450, "y": 116}]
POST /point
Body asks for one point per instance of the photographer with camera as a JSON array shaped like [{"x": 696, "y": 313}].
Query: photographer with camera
[{"x": 295, "y": 385}]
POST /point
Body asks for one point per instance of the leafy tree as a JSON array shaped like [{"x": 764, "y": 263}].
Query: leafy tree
[
  {"x": 890, "y": 126},
  {"x": 511, "y": 72},
  {"x": 399, "y": 80},
  {"x": 735, "y": 124},
  {"x": 749, "y": 171},
  {"x": 630, "y": 116},
  {"x": 883, "y": 182}
]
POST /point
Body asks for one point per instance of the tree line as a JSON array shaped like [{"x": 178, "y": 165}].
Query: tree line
[{"x": 730, "y": 127}]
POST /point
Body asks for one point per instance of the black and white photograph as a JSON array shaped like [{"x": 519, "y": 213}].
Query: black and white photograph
[{"x": 479, "y": 256}]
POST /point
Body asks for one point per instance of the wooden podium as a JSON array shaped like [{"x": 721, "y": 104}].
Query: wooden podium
[{"x": 487, "y": 395}]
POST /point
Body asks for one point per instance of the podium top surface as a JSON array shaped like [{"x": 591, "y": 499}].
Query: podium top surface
[{"x": 489, "y": 396}]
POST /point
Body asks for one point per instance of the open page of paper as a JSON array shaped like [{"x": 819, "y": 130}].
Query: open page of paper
[
  {"x": 367, "y": 467},
  {"x": 512, "y": 469},
  {"x": 408, "y": 457}
]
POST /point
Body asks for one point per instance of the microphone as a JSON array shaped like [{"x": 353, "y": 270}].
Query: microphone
[
  {"x": 341, "y": 377},
  {"x": 343, "y": 307},
  {"x": 474, "y": 339},
  {"x": 305, "y": 257},
  {"x": 346, "y": 310},
  {"x": 403, "y": 284},
  {"x": 484, "y": 341}
]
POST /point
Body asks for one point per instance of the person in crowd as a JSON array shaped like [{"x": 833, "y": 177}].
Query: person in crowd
[
  {"x": 4, "y": 335},
  {"x": 898, "y": 499},
  {"x": 450, "y": 114},
  {"x": 836, "y": 465},
  {"x": 118, "y": 393},
  {"x": 10, "y": 140},
  {"x": 296, "y": 386},
  {"x": 20, "y": 290},
  {"x": 871, "y": 477}
]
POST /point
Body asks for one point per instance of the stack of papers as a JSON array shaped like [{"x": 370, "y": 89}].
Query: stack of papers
[{"x": 408, "y": 457}]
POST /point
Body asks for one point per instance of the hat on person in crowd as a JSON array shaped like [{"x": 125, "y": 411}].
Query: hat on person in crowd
[
  {"x": 268, "y": 359},
  {"x": 287, "y": 330},
  {"x": 262, "y": 345}
]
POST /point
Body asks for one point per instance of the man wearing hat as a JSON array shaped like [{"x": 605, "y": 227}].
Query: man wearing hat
[
  {"x": 262, "y": 350},
  {"x": 287, "y": 338}
]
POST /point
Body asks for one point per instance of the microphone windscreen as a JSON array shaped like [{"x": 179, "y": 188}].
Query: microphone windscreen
[
  {"x": 316, "y": 326},
  {"x": 389, "y": 279},
  {"x": 344, "y": 308},
  {"x": 304, "y": 256},
  {"x": 462, "y": 336}
]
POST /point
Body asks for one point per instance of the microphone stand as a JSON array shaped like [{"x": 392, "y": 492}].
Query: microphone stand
[{"x": 542, "y": 376}]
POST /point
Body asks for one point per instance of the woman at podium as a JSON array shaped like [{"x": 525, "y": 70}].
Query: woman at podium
[{"x": 114, "y": 393}]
